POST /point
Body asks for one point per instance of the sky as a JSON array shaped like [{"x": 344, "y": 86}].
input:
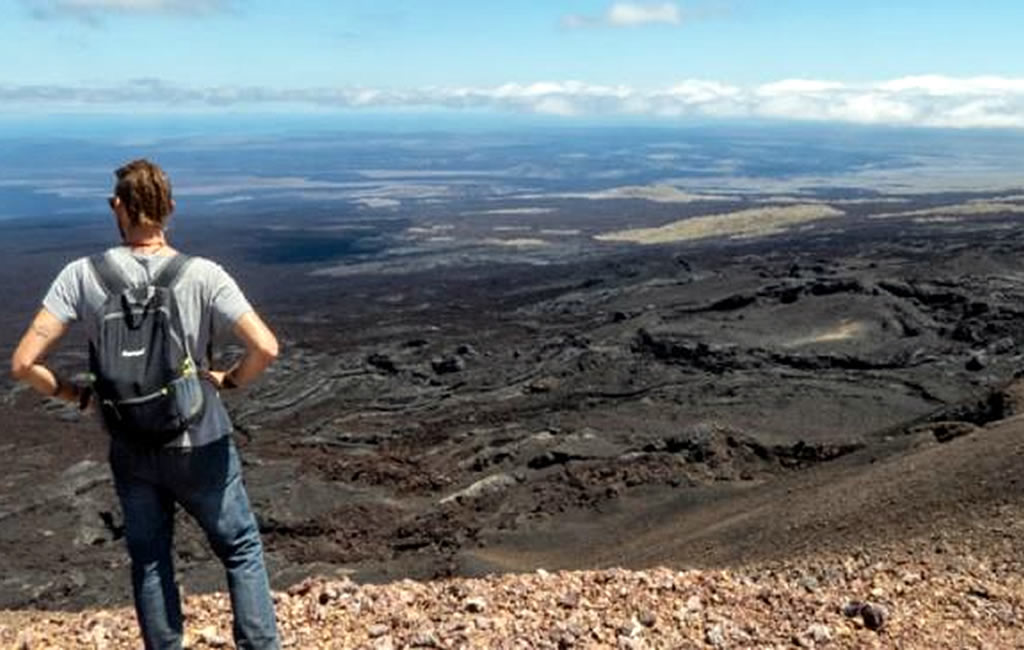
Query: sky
[{"x": 939, "y": 63}]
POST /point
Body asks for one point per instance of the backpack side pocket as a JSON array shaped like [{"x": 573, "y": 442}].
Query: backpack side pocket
[{"x": 189, "y": 397}]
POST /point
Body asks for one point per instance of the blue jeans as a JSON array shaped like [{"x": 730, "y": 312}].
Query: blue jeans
[{"x": 207, "y": 482}]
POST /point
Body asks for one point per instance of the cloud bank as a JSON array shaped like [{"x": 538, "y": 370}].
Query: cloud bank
[
  {"x": 933, "y": 101},
  {"x": 91, "y": 10}
]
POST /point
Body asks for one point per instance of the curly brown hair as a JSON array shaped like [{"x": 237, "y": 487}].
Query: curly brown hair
[{"x": 145, "y": 191}]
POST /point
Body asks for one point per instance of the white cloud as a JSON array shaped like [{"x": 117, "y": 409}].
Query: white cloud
[
  {"x": 797, "y": 86},
  {"x": 697, "y": 91},
  {"x": 91, "y": 10},
  {"x": 624, "y": 14},
  {"x": 629, "y": 14},
  {"x": 939, "y": 85},
  {"x": 935, "y": 101},
  {"x": 556, "y": 106}
]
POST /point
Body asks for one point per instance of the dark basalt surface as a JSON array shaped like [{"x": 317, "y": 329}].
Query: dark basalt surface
[{"x": 415, "y": 419}]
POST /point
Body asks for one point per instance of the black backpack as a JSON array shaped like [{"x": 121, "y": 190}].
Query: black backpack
[{"x": 146, "y": 381}]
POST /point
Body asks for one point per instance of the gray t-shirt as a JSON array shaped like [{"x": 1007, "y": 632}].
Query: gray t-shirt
[{"x": 208, "y": 299}]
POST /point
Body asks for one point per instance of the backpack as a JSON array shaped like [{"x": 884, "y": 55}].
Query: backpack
[{"x": 147, "y": 383}]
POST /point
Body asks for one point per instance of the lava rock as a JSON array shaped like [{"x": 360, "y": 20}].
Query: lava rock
[
  {"x": 975, "y": 363},
  {"x": 874, "y": 616},
  {"x": 476, "y": 605},
  {"x": 447, "y": 365},
  {"x": 946, "y": 431},
  {"x": 490, "y": 485},
  {"x": 382, "y": 362}
]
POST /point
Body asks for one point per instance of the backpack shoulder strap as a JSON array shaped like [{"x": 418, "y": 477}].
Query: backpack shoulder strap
[
  {"x": 172, "y": 271},
  {"x": 110, "y": 277}
]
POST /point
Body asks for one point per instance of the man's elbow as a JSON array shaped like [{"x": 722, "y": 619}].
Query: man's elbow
[
  {"x": 268, "y": 349},
  {"x": 20, "y": 368}
]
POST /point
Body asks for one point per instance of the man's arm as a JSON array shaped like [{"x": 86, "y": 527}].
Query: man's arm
[
  {"x": 261, "y": 349},
  {"x": 45, "y": 330}
]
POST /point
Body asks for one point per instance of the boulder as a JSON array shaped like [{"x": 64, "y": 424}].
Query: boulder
[{"x": 490, "y": 485}]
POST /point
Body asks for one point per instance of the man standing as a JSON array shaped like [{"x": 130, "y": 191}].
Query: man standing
[{"x": 199, "y": 468}]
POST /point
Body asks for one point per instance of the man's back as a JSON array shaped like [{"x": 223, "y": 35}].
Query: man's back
[{"x": 208, "y": 299}]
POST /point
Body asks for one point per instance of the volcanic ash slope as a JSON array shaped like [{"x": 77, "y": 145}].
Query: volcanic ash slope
[{"x": 931, "y": 558}]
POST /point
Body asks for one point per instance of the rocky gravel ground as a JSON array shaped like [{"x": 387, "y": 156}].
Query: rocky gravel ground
[{"x": 957, "y": 589}]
